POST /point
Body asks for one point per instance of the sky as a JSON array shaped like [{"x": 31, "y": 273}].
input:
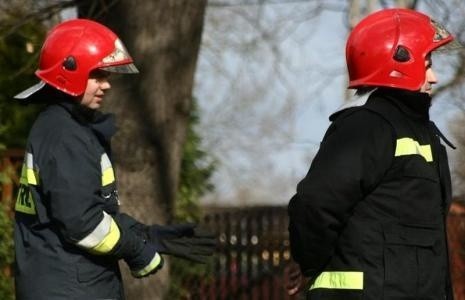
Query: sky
[{"x": 311, "y": 81}]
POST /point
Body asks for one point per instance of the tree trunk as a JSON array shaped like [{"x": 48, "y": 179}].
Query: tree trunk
[{"x": 152, "y": 107}]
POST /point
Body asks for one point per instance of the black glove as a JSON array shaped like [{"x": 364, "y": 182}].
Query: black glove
[
  {"x": 146, "y": 262},
  {"x": 140, "y": 255},
  {"x": 186, "y": 241}
]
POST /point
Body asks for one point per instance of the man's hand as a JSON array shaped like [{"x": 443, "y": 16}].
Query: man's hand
[{"x": 294, "y": 280}]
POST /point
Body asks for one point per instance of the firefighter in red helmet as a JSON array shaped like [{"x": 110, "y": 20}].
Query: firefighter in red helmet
[
  {"x": 368, "y": 219},
  {"x": 69, "y": 233}
]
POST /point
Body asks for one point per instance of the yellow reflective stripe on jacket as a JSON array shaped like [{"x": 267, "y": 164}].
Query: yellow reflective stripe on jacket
[
  {"x": 28, "y": 175},
  {"x": 103, "y": 238},
  {"x": 339, "y": 280},
  {"x": 408, "y": 146},
  {"x": 108, "y": 176}
]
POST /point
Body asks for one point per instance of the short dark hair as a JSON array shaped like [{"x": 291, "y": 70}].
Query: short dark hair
[{"x": 362, "y": 91}]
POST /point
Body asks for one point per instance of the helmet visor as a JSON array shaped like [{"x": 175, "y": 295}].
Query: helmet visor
[
  {"x": 126, "y": 69},
  {"x": 119, "y": 61},
  {"x": 442, "y": 34}
]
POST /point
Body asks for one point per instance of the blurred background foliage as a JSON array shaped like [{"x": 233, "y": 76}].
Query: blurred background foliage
[
  {"x": 197, "y": 168},
  {"x": 19, "y": 51},
  {"x": 6, "y": 255}
]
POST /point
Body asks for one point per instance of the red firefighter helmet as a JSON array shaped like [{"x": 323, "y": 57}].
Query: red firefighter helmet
[
  {"x": 388, "y": 48},
  {"x": 73, "y": 49}
]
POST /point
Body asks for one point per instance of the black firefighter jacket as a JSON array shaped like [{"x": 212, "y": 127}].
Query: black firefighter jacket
[
  {"x": 368, "y": 220},
  {"x": 67, "y": 240}
]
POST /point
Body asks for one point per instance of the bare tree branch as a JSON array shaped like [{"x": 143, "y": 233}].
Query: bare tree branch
[
  {"x": 41, "y": 13},
  {"x": 457, "y": 79},
  {"x": 326, "y": 5}
]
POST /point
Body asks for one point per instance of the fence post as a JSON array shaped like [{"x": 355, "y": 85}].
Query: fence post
[{"x": 456, "y": 233}]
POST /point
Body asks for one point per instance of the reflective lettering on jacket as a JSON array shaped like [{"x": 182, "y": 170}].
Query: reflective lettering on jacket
[
  {"x": 408, "y": 146},
  {"x": 29, "y": 176},
  {"x": 339, "y": 280}
]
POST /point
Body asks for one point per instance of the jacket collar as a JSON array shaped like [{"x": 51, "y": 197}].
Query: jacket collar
[
  {"x": 103, "y": 124},
  {"x": 414, "y": 104}
]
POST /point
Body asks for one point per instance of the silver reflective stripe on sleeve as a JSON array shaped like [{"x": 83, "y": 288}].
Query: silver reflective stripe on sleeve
[{"x": 103, "y": 238}]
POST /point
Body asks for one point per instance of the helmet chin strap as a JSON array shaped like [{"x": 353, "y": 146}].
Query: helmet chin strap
[{"x": 439, "y": 133}]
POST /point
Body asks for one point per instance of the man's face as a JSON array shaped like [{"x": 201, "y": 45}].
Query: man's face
[
  {"x": 97, "y": 85},
  {"x": 430, "y": 77}
]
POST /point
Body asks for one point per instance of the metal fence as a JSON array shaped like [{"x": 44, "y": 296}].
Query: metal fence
[{"x": 252, "y": 255}]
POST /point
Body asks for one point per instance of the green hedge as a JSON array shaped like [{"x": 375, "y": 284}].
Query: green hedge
[
  {"x": 6, "y": 255},
  {"x": 197, "y": 168},
  {"x": 20, "y": 43}
]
